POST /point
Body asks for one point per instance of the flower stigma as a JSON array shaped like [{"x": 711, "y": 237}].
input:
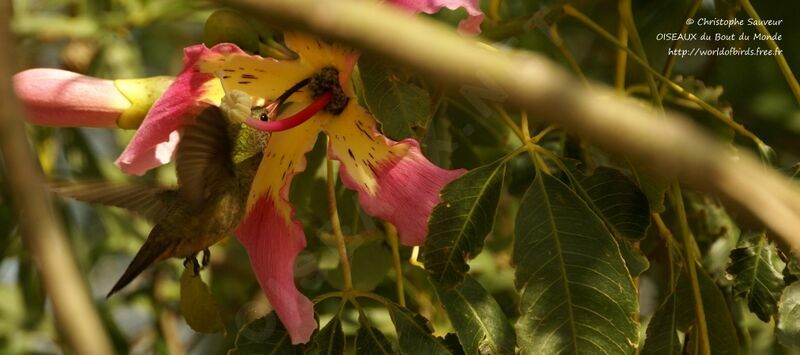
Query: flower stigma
[
  {"x": 327, "y": 80},
  {"x": 326, "y": 91}
]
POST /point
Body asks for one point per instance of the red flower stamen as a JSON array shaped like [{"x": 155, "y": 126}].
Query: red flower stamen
[{"x": 294, "y": 120}]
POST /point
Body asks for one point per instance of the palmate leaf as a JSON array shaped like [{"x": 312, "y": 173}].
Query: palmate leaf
[
  {"x": 616, "y": 199},
  {"x": 330, "y": 339},
  {"x": 265, "y": 335},
  {"x": 413, "y": 333},
  {"x": 653, "y": 187},
  {"x": 662, "y": 331},
  {"x": 370, "y": 340},
  {"x": 460, "y": 223},
  {"x": 480, "y": 324},
  {"x": 401, "y": 107},
  {"x": 636, "y": 262},
  {"x": 789, "y": 316},
  {"x": 677, "y": 313},
  {"x": 758, "y": 276},
  {"x": 576, "y": 295}
]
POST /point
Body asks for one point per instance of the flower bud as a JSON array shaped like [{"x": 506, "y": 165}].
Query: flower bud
[{"x": 59, "y": 98}]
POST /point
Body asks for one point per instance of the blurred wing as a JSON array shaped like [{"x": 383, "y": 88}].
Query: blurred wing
[
  {"x": 150, "y": 202},
  {"x": 203, "y": 161}
]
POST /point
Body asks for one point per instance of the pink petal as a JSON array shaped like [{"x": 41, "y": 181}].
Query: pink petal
[
  {"x": 273, "y": 245},
  {"x": 394, "y": 181},
  {"x": 59, "y": 98},
  {"x": 269, "y": 232},
  {"x": 156, "y": 138},
  {"x": 408, "y": 189},
  {"x": 471, "y": 25}
]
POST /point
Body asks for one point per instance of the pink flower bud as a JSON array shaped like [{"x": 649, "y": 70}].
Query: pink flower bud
[{"x": 59, "y": 98}]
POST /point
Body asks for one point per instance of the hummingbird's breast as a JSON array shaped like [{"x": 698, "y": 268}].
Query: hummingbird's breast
[{"x": 214, "y": 221}]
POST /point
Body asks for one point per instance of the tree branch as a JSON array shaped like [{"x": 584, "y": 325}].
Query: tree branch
[
  {"x": 42, "y": 233},
  {"x": 669, "y": 143}
]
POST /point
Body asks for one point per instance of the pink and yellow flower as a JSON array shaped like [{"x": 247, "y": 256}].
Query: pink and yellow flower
[{"x": 394, "y": 180}]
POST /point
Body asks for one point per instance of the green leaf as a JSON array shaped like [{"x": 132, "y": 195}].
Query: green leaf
[
  {"x": 662, "y": 331},
  {"x": 616, "y": 199},
  {"x": 758, "y": 276},
  {"x": 653, "y": 187},
  {"x": 438, "y": 142},
  {"x": 330, "y": 339},
  {"x": 480, "y": 324},
  {"x": 265, "y": 335},
  {"x": 451, "y": 342},
  {"x": 721, "y": 329},
  {"x": 370, "y": 340},
  {"x": 576, "y": 295},
  {"x": 369, "y": 264},
  {"x": 413, "y": 333},
  {"x": 788, "y": 329},
  {"x": 460, "y": 223},
  {"x": 713, "y": 227},
  {"x": 198, "y": 305},
  {"x": 677, "y": 313},
  {"x": 636, "y": 262},
  {"x": 401, "y": 107}
]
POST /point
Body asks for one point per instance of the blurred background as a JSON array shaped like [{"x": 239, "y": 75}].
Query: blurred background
[{"x": 136, "y": 38}]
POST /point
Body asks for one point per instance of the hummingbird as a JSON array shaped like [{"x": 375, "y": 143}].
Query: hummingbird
[{"x": 215, "y": 162}]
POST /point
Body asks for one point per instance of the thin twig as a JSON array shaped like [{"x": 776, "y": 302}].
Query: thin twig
[
  {"x": 779, "y": 58},
  {"x": 690, "y": 250},
  {"x": 41, "y": 230},
  {"x": 391, "y": 232},
  {"x": 620, "y": 68},
  {"x": 337, "y": 228},
  {"x": 671, "y": 59}
]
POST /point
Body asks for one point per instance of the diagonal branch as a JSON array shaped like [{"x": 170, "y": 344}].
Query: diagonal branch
[
  {"x": 669, "y": 143},
  {"x": 42, "y": 232}
]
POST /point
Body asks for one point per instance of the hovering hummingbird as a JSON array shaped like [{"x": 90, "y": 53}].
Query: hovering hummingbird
[{"x": 216, "y": 161}]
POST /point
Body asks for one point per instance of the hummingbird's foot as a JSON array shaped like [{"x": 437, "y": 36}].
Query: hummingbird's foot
[
  {"x": 193, "y": 261},
  {"x": 206, "y": 257}
]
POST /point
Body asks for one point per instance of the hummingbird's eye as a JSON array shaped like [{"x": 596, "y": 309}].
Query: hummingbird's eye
[{"x": 263, "y": 116}]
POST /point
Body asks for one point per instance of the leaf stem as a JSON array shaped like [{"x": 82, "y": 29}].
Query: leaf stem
[
  {"x": 337, "y": 227},
  {"x": 526, "y": 137},
  {"x": 671, "y": 59},
  {"x": 779, "y": 58},
  {"x": 626, "y": 16},
  {"x": 508, "y": 121},
  {"x": 620, "y": 69},
  {"x": 523, "y": 133},
  {"x": 559, "y": 43},
  {"x": 669, "y": 239},
  {"x": 326, "y": 296},
  {"x": 690, "y": 249},
  {"x": 391, "y": 232}
]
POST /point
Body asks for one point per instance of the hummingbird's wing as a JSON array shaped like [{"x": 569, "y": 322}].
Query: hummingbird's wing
[
  {"x": 149, "y": 202},
  {"x": 203, "y": 158}
]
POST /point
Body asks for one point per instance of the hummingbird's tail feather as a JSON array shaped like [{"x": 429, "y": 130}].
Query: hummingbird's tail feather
[
  {"x": 150, "y": 202},
  {"x": 155, "y": 249}
]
